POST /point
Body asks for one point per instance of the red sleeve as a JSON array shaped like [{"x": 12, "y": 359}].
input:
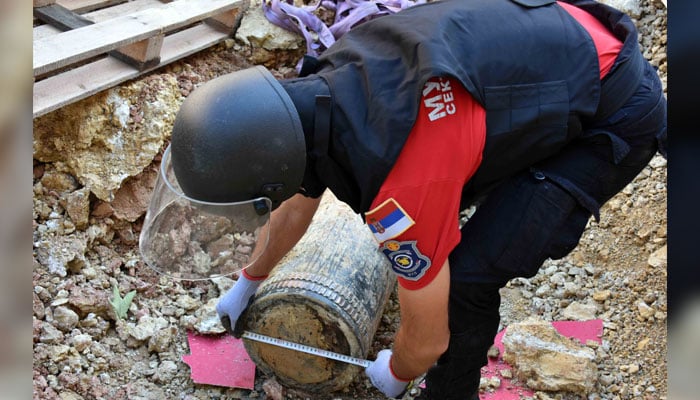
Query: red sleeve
[{"x": 415, "y": 216}]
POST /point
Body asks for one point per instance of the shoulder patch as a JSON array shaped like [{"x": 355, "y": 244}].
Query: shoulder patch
[
  {"x": 405, "y": 259},
  {"x": 388, "y": 220}
]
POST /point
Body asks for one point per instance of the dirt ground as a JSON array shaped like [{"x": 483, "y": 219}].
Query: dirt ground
[{"x": 83, "y": 351}]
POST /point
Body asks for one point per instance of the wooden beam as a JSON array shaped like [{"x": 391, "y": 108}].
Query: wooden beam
[
  {"x": 227, "y": 21},
  {"x": 57, "y": 91},
  {"x": 122, "y": 9},
  {"x": 142, "y": 55},
  {"x": 57, "y": 51},
  {"x": 60, "y": 17},
  {"x": 83, "y": 6}
]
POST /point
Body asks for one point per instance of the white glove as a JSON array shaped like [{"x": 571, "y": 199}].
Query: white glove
[
  {"x": 383, "y": 378},
  {"x": 232, "y": 304}
]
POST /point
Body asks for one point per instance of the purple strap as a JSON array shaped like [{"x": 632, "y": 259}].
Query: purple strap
[{"x": 348, "y": 13}]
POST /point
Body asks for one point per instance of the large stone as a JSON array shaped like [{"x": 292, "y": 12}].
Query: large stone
[
  {"x": 111, "y": 136},
  {"x": 545, "y": 360},
  {"x": 265, "y": 39},
  {"x": 658, "y": 259}
]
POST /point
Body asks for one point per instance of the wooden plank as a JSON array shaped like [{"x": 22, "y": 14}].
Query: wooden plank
[
  {"x": 59, "y": 90},
  {"x": 122, "y": 9},
  {"x": 83, "y": 6},
  {"x": 104, "y": 14},
  {"x": 143, "y": 54},
  {"x": 43, "y": 31},
  {"x": 226, "y": 21},
  {"x": 53, "y": 52},
  {"x": 61, "y": 17}
]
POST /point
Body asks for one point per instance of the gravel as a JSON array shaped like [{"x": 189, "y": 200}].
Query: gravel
[{"x": 82, "y": 350}]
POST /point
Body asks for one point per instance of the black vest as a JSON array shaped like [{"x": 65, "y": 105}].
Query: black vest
[{"x": 527, "y": 62}]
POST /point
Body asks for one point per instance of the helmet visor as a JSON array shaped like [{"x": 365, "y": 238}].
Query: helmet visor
[{"x": 190, "y": 239}]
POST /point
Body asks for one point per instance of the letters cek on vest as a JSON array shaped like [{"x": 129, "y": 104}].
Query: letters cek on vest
[{"x": 530, "y": 91}]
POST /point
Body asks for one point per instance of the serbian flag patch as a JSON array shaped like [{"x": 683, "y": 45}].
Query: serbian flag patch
[{"x": 388, "y": 220}]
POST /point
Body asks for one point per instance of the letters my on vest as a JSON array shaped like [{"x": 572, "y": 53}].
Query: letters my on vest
[{"x": 536, "y": 81}]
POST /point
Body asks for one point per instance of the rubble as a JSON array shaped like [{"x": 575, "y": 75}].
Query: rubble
[{"x": 545, "y": 360}]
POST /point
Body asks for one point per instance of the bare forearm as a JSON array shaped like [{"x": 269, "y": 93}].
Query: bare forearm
[
  {"x": 288, "y": 223},
  {"x": 424, "y": 333}
]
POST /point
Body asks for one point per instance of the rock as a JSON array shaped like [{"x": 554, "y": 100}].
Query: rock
[
  {"x": 142, "y": 389},
  {"x": 77, "y": 206},
  {"x": 50, "y": 335},
  {"x": 147, "y": 327},
  {"x": 579, "y": 312},
  {"x": 65, "y": 318},
  {"x": 273, "y": 389},
  {"x": 96, "y": 141},
  {"x": 645, "y": 311},
  {"x": 223, "y": 283},
  {"x": 59, "y": 182},
  {"x": 132, "y": 199},
  {"x": 642, "y": 344},
  {"x": 493, "y": 352},
  {"x": 207, "y": 320},
  {"x": 38, "y": 307},
  {"x": 57, "y": 253},
  {"x": 658, "y": 162},
  {"x": 161, "y": 340},
  {"x": 81, "y": 342},
  {"x": 87, "y": 299},
  {"x": 186, "y": 302},
  {"x": 68, "y": 395},
  {"x": 601, "y": 295},
  {"x": 264, "y": 38},
  {"x": 545, "y": 360},
  {"x": 658, "y": 258},
  {"x": 166, "y": 371}
]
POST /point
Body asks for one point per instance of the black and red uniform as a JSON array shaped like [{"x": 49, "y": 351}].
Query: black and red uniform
[{"x": 538, "y": 111}]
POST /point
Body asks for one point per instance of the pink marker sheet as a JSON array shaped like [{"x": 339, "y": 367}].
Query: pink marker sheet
[
  {"x": 511, "y": 389},
  {"x": 220, "y": 361}
]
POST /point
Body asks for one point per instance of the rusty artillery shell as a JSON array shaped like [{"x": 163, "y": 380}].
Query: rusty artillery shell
[{"x": 329, "y": 292}]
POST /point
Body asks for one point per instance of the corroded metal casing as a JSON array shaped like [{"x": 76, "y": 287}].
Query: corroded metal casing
[{"x": 329, "y": 292}]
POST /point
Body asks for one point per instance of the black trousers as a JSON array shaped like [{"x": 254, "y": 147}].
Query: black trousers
[{"x": 534, "y": 215}]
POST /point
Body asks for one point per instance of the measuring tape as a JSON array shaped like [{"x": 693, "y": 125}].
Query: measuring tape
[{"x": 306, "y": 349}]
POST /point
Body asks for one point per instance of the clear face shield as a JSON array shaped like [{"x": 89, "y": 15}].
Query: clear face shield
[{"x": 193, "y": 240}]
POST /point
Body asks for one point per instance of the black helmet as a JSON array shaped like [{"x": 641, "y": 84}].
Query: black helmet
[{"x": 239, "y": 137}]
